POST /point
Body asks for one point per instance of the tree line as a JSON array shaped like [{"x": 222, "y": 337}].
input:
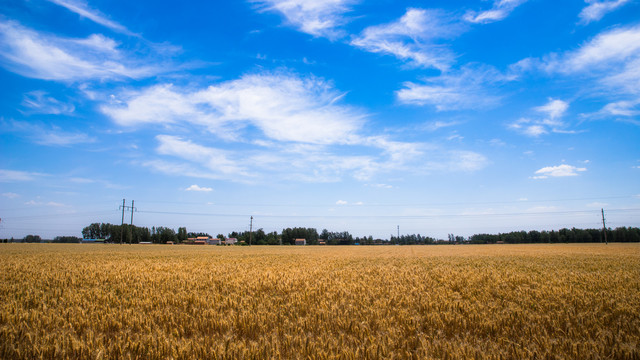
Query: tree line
[{"x": 161, "y": 235}]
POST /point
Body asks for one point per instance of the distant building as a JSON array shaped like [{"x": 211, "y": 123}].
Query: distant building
[
  {"x": 301, "y": 241},
  {"x": 322, "y": 242},
  {"x": 231, "y": 241},
  {"x": 214, "y": 241}
]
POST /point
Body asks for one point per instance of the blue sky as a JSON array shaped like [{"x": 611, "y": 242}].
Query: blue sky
[{"x": 438, "y": 117}]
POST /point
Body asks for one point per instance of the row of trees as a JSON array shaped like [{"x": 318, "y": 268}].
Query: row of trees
[
  {"x": 621, "y": 234},
  {"x": 162, "y": 235}
]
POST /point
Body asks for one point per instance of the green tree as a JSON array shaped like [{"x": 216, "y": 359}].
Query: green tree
[
  {"x": 182, "y": 234},
  {"x": 32, "y": 239}
]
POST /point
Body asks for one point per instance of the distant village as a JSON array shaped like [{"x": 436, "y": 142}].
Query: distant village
[{"x": 97, "y": 233}]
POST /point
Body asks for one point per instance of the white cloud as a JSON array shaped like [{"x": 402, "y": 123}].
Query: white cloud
[
  {"x": 609, "y": 48},
  {"x": 341, "y": 202},
  {"x": 597, "y": 9},
  {"x": 437, "y": 125},
  {"x": 10, "y": 195},
  {"x": 624, "y": 110},
  {"x": 49, "y": 57},
  {"x": 413, "y": 38},
  {"x": 289, "y": 128},
  {"x": 49, "y": 203},
  {"x": 314, "y": 17},
  {"x": 213, "y": 159},
  {"x": 465, "y": 89},
  {"x": 42, "y": 135},
  {"x": 554, "y": 110},
  {"x": 82, "y": 9},
  {"x": 18, "y": 176},
  {"x": 563, "y": 170},
  {"x": 195, "y": 187},
  {"x": 283, "y": 106},
  {"x": 40, "y": 102},
  {"x": 612, "y": 59},
  {"x": 500, "y": 10},
  {"x": 310, "y": 162}
]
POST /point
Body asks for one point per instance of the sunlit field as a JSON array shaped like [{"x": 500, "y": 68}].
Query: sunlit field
[{"x": 356, "y": 302}]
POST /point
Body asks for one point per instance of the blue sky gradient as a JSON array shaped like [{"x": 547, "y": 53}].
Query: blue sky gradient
[{"x": 439, "y": 117}]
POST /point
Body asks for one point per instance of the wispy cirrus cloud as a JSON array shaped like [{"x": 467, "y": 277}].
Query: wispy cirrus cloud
[
  {"x": 10, "y": 195},
  {"x": 321, "y": 18},
  {"x": 417, "y": 37},
  {"x": 82, "y": 8},
  {"x": 468, "y": 88},
  {"x": 18, "y": 175},
  {"x": 597, "y": 9},
  {"x": 287, "y": 127},
  {"x": 45, "y": 56},
  {"x": 500, "y": 10},
  {"x": 552, "y": 112},
  {"x": 609, "y": 63},
  {"x": 40, "y": 102},
  {"x": 215, "y": 160},
  {"x": 283, "y": 106},
  {"x": 611, "y": 57},
  {"x": 46, "y": 135},
  {"x": 563, "y": 170}
]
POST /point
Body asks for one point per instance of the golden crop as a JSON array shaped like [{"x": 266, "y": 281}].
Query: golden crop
[{"x": 385, "y": 302}]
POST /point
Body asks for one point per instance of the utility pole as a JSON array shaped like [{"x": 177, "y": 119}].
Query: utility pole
[
  {"x": 398, "y": 232},
  {"x": 132, "y": 212},
  {"x": 122, "y": 222},
  {"x": 250, "y": 230},
  {"x": 125, "y": 207},
  {"x": 604, "y": 228}
]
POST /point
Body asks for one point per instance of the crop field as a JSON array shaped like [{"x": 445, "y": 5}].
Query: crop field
[{"x": 356, "y": 302}]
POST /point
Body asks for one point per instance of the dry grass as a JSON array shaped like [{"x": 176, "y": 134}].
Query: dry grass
[{"x": 420, "y": 302}]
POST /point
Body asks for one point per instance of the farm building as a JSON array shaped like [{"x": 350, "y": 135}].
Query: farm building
[
  {"x": 214, "y": 241},
  {"x": 301, "y": 241},
  {"x": 231, "y": 241}
]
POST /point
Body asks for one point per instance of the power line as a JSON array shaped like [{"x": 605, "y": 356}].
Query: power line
[
  {"x": 567, "y": 212},
  {"x": 235, "y": 204}
]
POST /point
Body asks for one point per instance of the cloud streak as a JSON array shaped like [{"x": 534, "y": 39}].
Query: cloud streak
[
  {"x": 563, "y": 170},
  {"x": 416, "y": 38},
  {"x": 320, "y": 18},
  {"x": 82, "y": 9},
  {"x": 464, "y": 89},
  {"x": 283, "y": 106},
  {"x": 597, "y": 9},
  {"x": 197, "y": 188},
  {"x": 500, "y": 10},
  {"x": 50, "y": 57},
  {"x": 43, "y": 135},
  {"x": 552, "y": 122}
]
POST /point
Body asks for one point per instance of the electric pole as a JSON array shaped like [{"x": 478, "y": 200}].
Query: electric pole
[
  {"x": 132, "y": 212},
  {"x": 125, "y": 207},
  {"x": 250, "y": 230},
  {"x": 122, "y": 222},
  {"x": 604, "y": 228}
]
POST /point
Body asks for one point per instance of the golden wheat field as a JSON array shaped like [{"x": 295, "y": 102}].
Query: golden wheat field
[{"x": 385, "y": 302}]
